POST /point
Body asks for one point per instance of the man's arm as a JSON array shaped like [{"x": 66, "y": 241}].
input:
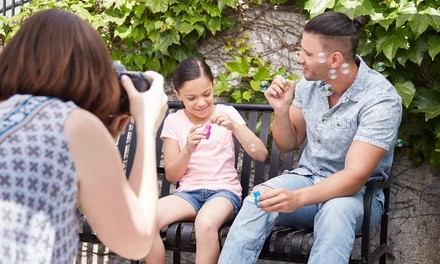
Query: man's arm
[
  {"x": 362, "y": 158},
  {"x": 289, "y": 129}
]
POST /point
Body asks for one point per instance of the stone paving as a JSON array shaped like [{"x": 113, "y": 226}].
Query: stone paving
[{"x": 97, "y": 254}]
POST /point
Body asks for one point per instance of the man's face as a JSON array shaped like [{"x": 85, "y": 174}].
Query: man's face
[{"x": 313, "y": 59}]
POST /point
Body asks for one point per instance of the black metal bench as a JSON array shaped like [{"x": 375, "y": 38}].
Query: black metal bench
[{"x": 284, "y": 244}]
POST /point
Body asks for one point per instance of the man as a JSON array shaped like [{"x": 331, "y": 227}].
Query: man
[{"x": 345, "y": 116}]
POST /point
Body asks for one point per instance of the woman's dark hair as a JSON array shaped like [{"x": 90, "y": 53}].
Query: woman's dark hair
[
  {"x": 338, "y": 31},
  {"x": 57, "y": 54},
  {"x": 190, "y": 69}
]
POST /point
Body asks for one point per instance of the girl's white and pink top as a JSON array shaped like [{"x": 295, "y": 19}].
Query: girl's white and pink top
[{"x": 211, "y": 165}]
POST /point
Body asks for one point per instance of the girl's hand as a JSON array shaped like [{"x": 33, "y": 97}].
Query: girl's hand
[
  {"x": 194, "y": 137},
  {"x": 223, "y": 120}
]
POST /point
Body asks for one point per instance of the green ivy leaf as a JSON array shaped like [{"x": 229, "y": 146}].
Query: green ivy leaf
[
  {"x": 428, "y": 102},
  {"x": 228, "y": 22},
  {"x": 179, "y": 53},
  {"x": 230, "y": 3},
  {"x": 434, "y": 46},
  {"x": 317, "y": 7},
  {"x": 168, "y": 65},
  {"x": 406, "y": 13},
  {"x": 240, "y": 65},
  {"x": 435, "y": 17},
  {"x": 119, "y": 3},
  {"x": 152, "y": 64},
  {"x": 384, "y": 21},
  {"x": 221, "y": 86},
  {"x": 406, "y": 90},
  {"x": 157, "y": 6},
  {"x": 414, "y": 53},
  {"x": 213, "y": 24},
  {"x": 165, "y": 40},
  {"x": 97, "y": 22},
  {"x": 122, "y": 32},
  {"x": 211, "y": 9},
  {"x": 255, "y": 85},
  {"x": 139, "y": 10},
  {"x": 366, "y": 47},
  {"x": 82, "y": 12},
  {"x": 247, "y": 95},
  {"x": 236, "y": 94},
  {"x": 200, "y": 29},
  {"x": 140, "y": 61},
  {"x": 354, "y": 8},
  {"x": 419, "y": 23},
  {"x": 189, "y": 41},
  {"x": 184, "y": 27},
  {"x": 114, "y": 16},
  {"x": 263, "y": 73},
  {"x": 390, "y": 41}
]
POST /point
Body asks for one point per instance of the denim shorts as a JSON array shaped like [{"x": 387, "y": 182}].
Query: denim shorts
[{"x": 200, "y": 196}]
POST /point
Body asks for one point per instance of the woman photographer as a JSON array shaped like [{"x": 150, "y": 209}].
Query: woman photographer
[{"x": 58, "y": 99}]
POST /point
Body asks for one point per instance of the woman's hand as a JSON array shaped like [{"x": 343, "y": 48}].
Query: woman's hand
[{"x": 149, "y": 106}]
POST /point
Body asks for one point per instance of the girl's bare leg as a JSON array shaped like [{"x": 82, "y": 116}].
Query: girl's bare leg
[
  {"x": 170, "y": 209},
  {"x": 210, "y": 218}
]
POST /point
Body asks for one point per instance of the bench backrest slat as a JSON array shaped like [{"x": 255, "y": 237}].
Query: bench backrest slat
[{"x": 265, "y": 126}]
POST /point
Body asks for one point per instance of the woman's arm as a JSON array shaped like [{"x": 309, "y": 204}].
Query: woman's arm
[
  {"x": 109, "y": 203},
  {"x": 122, "y": 213}
]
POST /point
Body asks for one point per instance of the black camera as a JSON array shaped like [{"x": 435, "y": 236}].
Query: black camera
[{"x": 140, "y": 82}]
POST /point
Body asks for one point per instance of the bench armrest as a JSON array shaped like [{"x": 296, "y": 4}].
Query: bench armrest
[{"x": 371, "y": 187}]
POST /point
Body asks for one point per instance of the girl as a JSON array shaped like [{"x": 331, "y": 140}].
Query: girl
[{"x": 199, "y": 155}]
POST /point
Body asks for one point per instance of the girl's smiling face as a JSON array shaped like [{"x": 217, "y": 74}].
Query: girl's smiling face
[{"x": 198, "y": 97}]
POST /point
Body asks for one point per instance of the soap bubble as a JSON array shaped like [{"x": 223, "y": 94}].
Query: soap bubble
[
  {"x": 264, "y": 85},
  {"x": 321, "y": 57},
  {"x": 380, "y": 66},
  {"x": 345, "y": 68},
  {"x": 332, "y": 74},
  {"x": 399, "y": 143},
  {"x": 252, "y": 147},
  {"x": 252, "y": 72},
  {"x": 327, "y": 89},
  {"x": 234, "y": 78},
  {"x": 214, "y": 70}
]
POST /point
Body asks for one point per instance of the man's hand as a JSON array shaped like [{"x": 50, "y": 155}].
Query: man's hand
[
  {"x": 278, "y": 200},
  {"x": 280, "y": 93}
]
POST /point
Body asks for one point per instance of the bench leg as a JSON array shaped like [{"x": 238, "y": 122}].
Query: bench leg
[{"x": 176, "y": 257}]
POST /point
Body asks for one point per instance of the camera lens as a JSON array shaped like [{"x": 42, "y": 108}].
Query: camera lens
[{"x": 140, "y": 82}]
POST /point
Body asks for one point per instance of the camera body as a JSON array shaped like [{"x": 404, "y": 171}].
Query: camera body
[{"x": 140, "y": 82}]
